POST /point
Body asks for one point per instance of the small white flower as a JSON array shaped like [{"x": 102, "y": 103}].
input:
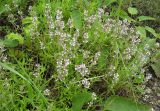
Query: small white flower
[
  {"x": 29, "y": 8},
  {"x": 36, "y": 74},
  {"x": 4, "y": 58},
  {"x": 100, "y": 13},
  {"x": 112, "y": 68},
  {"x": 42, "y": 45},
  {"x": 86, "y": 54},
  {"x": 6, "y": 83},
  {"x": 66, "y": 62},
  {"x": 90, "y": 104},
  {"x": 15, "y": 3},
  {"x": 70, "y": 23},
  {"x": 51, "y": 25},
  {"x": 37, "y": 65},
  {"x": 94, "y": 96},
  {"x": 10, "y": 16},
  {"x": 2, "y": 49},
  {"x": 86, "y": 83},
  {"x": 85, "y": 37},
  {"x": 20, "y": 12},
  {"x": 82, "y": 69},
  {"x": 96, "y": 57},
  {"x": 148, "y": 76},
  {"x": 116, "y": 77},
  {"x": 157, "y": 44},
  {"x": 73, "y": 42},
  {"x": 46, "y": 92},
  {"x": 59, "y": 15}
]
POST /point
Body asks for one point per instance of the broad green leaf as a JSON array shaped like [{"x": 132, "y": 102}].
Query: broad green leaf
[
  {"x": 156, "y": 68},
  {"x": 17, "y": 37},
  {"x": 79, "y": 100},
  {"x": 124, "y": 15},
  {"x": 142, "y": 31},
  {"x": 151, "y": 30},
  {"x": 116, "y": 103},
  {"x": 132, "y": 11},
  {"x": 129, "y": 19},
  {"x": 10, "y": 43},
  {"x": 77, "y": 20},
  {"x": 143, "y": 18}
]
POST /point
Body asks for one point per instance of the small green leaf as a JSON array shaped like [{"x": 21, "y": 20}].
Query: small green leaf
[
  {"x": 151, "y": 30},
  {"x": 143, "y": 18},
  {"x": 77, "y": 20},
  {"x": 132, "y": 11},
  {"x": 116, "y": 103},
  {"x": 79, "y": 100},
  {"x": 17, "y": 37},
  {"x": 27, "y": 20},
  {"x": 139, "y": 79}
]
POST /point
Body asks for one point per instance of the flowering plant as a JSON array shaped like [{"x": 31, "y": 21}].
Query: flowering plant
[{"x": 66, "y": 52}]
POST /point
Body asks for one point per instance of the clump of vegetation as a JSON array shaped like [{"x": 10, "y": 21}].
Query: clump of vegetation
[
  {"x": 147, "y": 7},
  {"x": 71, "y": 55}
]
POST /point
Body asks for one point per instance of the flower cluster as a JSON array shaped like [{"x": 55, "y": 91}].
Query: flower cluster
[
  {"x": 86, "y": 54},
  {"x": 46, "y": 92},
  {"x": 62, "y": 68},
  {"x": 3, "y": 57},
  {"x": 118, "y": 30},
  {"x": 36, "y": 70},
  {"x": 85, "y": 37},
  {"x": 34, "y": 30},
  {"x": 96, "y": 57},
  {"x": 50, "y": 21},
  {"x": 82, "y": 69},
  {"x": 74, "y": 41},
  {"x": 59, "y": 22},
  {"x": 86, "y": 83},
  {"x": 78, "y": 50}
]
